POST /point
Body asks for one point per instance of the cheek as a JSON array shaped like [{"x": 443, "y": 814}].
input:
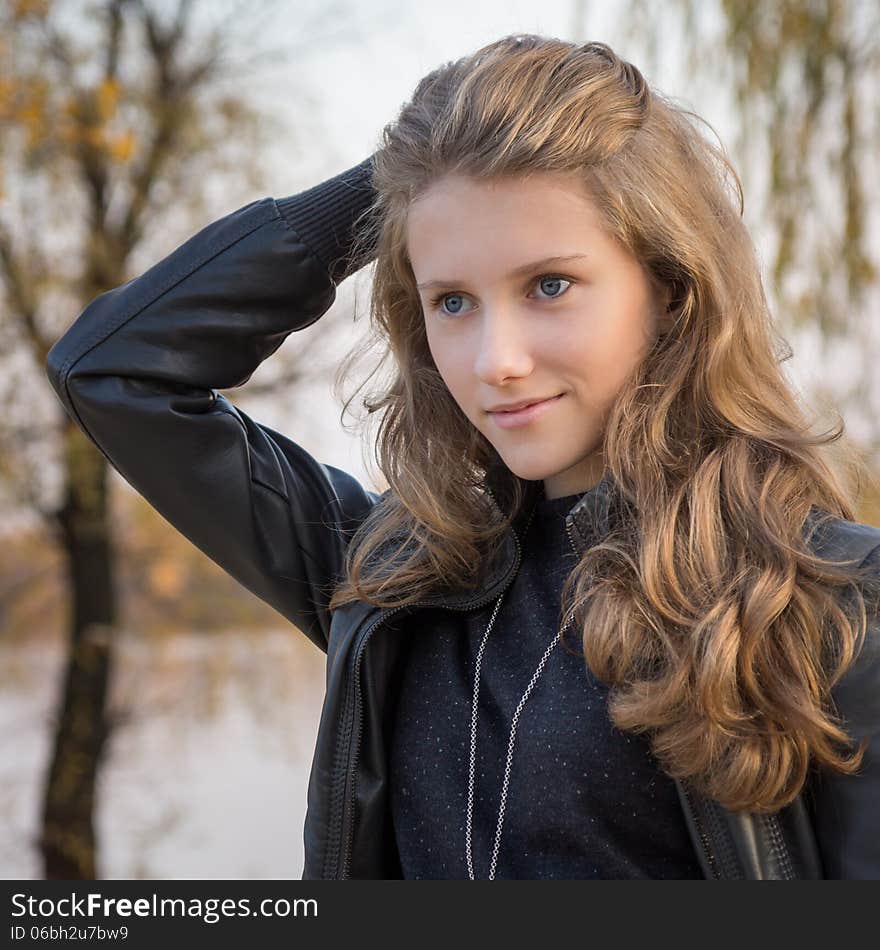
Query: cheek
[
  {"x": 622, "y": 342},
  {"x": 448, "y": 359},
  {"x": 602, "y": 361},
  {"x": 451, "y": 365}
]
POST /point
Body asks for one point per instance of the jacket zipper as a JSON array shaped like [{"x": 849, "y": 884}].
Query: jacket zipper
[
  {"x": 707, "y": 847},
  {"x": 771, "y": 822},
  {"x": 354, "y": 749},
  {"x": 571, "y": 537}
]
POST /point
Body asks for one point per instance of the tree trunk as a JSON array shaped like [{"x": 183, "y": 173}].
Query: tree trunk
[{"x": 67, "y": 840}]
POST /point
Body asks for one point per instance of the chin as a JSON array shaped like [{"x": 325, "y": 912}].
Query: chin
[{"x": 531, "y": 473}]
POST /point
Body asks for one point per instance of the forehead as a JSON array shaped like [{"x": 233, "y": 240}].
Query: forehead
[{"x": 458, "y": 217}]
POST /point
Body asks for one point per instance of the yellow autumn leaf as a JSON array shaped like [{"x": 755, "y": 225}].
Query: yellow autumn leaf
[
  {"x": 107, "y": 97},
  {"x": 23, "y": 8},
  {"x": 166, "y": 578},
  {"x": 6, "y": 96},
  {"x": 30, "y": 113},
  {"x": 121, "y": 147},
  {"x": 94, "y": 136}
]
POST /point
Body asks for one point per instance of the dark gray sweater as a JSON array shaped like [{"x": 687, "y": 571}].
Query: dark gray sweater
[{"x": 585, "y": 800}]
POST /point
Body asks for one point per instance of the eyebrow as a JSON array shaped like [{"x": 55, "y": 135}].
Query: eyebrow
[{"x": 516, "y": 272}]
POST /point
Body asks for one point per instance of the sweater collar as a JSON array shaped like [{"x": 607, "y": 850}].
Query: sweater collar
[
  {"x": 590, "y": 518},
  {"x": 592, "y": 514}
]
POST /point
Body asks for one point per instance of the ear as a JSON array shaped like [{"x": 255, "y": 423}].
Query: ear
[
  {"x": 665, "y": 313},
  {"x": 665, "y": 321}
]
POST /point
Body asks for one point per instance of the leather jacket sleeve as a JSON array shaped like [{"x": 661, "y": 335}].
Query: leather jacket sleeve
[
  {"x": 846, "y": 808},
  {"x": 138, "y": 372}
]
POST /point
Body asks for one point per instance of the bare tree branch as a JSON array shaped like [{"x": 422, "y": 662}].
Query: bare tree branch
[
  {"x": 19, "y": 287},
  {"x": 113, "y": 14}
]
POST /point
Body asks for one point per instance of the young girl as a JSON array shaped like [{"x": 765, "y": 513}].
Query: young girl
[{"x": 622, "y": 633}]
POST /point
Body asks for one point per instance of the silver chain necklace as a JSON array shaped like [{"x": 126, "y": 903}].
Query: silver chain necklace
[{"x": 514, "y": 723}]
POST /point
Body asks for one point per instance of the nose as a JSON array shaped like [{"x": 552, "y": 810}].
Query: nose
[{"x": 502, "y": 350}]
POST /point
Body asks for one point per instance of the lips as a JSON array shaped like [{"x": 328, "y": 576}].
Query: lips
[
  {"x": 517, "y": 406},
  {"x": 514, "y": 419}
]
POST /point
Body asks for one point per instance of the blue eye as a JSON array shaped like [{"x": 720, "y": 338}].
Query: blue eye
[
  {"x": 552, "y": 279},
  {"x": 439, "y": 300}
]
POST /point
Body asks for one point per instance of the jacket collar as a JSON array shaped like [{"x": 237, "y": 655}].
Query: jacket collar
[
  {"x": 590, "y": 518},
  {"x": 596, "y": 512}
]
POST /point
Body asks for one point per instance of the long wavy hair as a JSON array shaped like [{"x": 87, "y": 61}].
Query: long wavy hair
[{"x": 719, "y": 631}]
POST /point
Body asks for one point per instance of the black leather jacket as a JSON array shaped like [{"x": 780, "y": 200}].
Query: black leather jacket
[{"x": 139, "y": 372}]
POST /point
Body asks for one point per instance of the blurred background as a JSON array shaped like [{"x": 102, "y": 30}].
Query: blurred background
[{"x": 156, "y": 719}]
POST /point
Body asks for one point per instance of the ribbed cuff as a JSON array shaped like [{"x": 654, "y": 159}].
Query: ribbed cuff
[{"x": 324, "y": 217}]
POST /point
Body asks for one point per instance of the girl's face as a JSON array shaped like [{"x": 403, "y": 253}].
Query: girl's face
[{"x": 505, "y": 324}]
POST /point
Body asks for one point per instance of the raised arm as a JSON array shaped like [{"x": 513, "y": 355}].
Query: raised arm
[{"x": 138, "y": 369}]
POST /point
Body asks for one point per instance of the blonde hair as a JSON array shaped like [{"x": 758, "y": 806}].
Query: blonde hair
[{"x": 719, "y": 631}]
